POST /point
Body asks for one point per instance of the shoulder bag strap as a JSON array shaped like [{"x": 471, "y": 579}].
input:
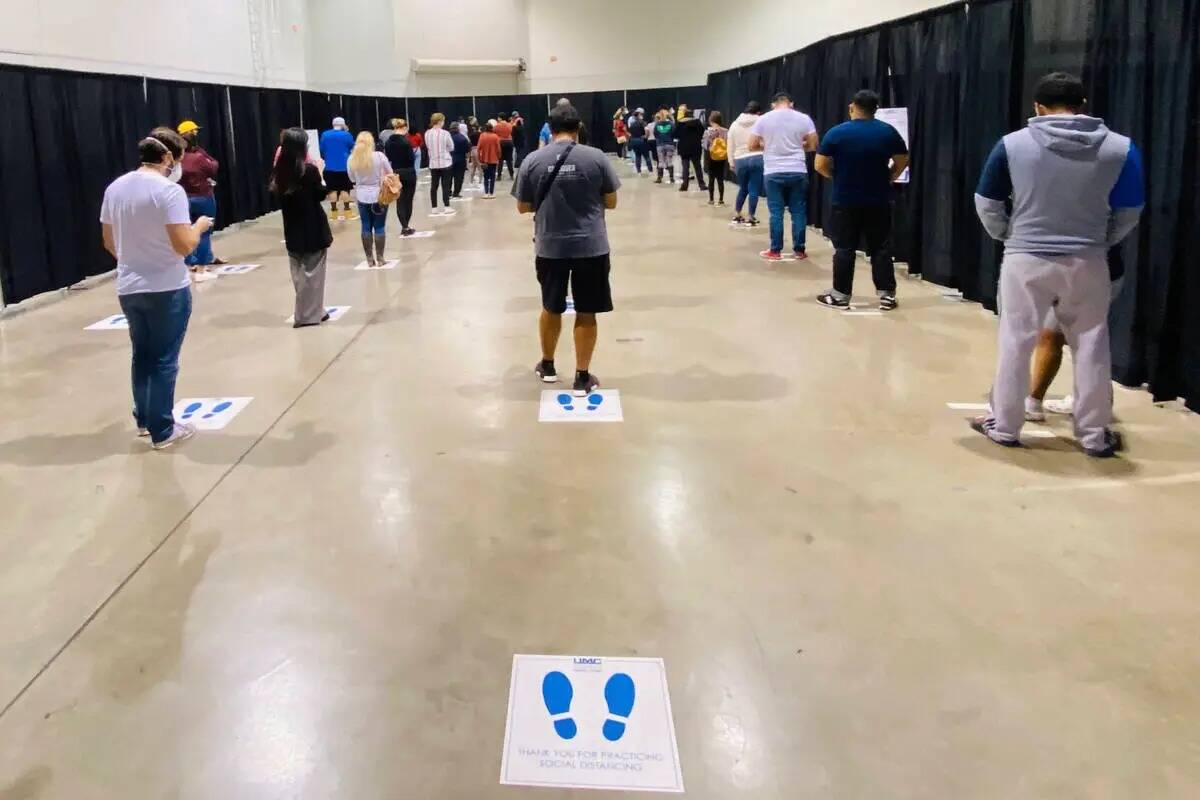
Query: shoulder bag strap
[{"x": 544, "y": 189}]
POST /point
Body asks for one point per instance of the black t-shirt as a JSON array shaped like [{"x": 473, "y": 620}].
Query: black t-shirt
[
  {"x": 689, "y": 132},
  {"x": 399, "y": 152},
  {"x": 637, "y": 129},
  {"x": 473, "y": 136},
  {"x": 305, "y": 226},
  {"x": 518, "y": 134}
]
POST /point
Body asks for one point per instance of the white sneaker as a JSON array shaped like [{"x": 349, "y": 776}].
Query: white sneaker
[
  {"x": 437, "y": 212},
  {"x": 182, "y": 432},
  {"x": 1034, "y": 411},
  {"x": 143, "y": 433},
  {"x": 449, "y": 212},
  {"x": 1066, "y": 406},
  {"x": 201, "y": 277}
]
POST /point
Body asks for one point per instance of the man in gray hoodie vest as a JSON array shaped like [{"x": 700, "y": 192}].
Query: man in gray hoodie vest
[{"x": 1076, "y": 189}]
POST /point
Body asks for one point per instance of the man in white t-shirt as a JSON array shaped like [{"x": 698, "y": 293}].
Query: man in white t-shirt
[
  {"x": 148, "y": 229},
  {"x": 785, "y": 136}
]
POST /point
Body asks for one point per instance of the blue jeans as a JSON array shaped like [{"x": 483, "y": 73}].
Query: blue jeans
[
  {"x": 750, "y": 183},
  {"x": 373, "y": 218},
  {"x": 790, "y": 190},
  {"x": 202, "y": 207},
  {"x": 157, "y": 323},
  {"x": 489, "y": 178}
]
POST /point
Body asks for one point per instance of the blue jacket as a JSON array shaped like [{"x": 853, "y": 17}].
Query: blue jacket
[
  {"x": 462, "y": 147},
  {"x": 1074, "y": 186},
  {"x": 335, "y": 148}
]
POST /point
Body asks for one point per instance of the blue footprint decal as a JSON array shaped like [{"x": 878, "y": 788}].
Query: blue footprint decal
[
  {"x": 190, "y": 410},
  {"x": 564, "y": 400},
  {"x": 557, "y": 693},
  {"x": 619, "y": 694},
  {"x": 594, "y": 401},
  {"x": 217, "y": 409},
  {"x": 119, "y": 320}
]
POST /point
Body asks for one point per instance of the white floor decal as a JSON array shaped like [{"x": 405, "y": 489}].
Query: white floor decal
[
  {"x": 561, "y": 405},
  {"x": 335, "y": 313},
  {"x": 210, "y": 413},
  {"x": 416, "y": 235},
  {"x": 236, "y": 269},
  {"x": 362, "y": 265},
  {"x": 585, "y": 722},
  {"x": 116, "y": 322}
]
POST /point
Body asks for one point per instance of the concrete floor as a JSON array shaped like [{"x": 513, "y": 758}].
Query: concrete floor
[{"x": 855, "y": 595}]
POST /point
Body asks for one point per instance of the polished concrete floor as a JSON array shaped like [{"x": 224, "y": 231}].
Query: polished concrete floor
[{"x": 855, "y": 595}]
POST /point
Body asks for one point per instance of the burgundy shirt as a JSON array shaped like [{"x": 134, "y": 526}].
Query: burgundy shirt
[{"x": 198, "y": 168}]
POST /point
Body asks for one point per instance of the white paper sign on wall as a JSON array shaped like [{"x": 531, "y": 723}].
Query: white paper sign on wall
[
  {"x": 898, "y": 119},
  {"x": 561, "y": 405},
  {"x": 335, "y": 313},
  {"x": 236, "y": 269},
  {"x": 586, "y": 722},
  {"x": 210, "y": 413},
  {"x": 116, "y": 322}
]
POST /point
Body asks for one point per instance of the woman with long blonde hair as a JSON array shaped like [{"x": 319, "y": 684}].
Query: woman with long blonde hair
[{"x": 367, "y": 167}]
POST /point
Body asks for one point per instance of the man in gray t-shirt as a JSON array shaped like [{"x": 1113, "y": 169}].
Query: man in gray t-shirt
[{"x": 568, "y": 187}]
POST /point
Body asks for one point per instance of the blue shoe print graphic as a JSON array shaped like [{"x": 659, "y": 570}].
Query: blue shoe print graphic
[
  {"x": 190, "y": 410},
  {"x": 594, "y": 401},
  {"x": 619, "y": 694},
  {"x": 557, "y": 693},
  {"x": 118, "y": 320},
  {"x": 217, "y": 409},
  {"x": 564, "y": 400}
]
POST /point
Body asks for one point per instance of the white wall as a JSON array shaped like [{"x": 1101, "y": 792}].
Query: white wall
[
  {"x": 210, "y": 41},
  {"x": 580, "y": 45}
]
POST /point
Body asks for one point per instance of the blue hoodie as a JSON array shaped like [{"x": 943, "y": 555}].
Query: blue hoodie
[{"x": 1074, "y": 184}]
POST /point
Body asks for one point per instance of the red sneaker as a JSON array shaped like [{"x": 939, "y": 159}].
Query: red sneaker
[
  {"x": 799, "y": 255},
  {"x": 771, "y": 255}
]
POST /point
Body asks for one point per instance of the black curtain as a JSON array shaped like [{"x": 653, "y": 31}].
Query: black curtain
[
  {"x": 604, "y": 105},
  {"x": 422, "y": 108}
]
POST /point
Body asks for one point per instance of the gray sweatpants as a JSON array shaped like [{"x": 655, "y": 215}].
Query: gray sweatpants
[
  {"x": 1077, "y": 288},
  {"x": 308, "y": 276}
]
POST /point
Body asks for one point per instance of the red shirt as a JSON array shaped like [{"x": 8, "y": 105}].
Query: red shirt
[
  {"x": 489, "y": 148},
  {"x": 503, "y": 130},
  {"x": 415, "y": 139},
  {"x": 198, "y": 168}
]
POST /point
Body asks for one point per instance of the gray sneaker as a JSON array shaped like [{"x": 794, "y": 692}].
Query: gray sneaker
[{"x": 182, "y": 432}]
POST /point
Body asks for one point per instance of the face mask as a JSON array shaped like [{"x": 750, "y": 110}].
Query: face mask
[{"x": 176, "y": 173}]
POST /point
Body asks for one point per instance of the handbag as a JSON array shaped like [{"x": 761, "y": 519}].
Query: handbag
[
  {"x": 389, "y": 189},
  {"x": 621, "y": 140}
]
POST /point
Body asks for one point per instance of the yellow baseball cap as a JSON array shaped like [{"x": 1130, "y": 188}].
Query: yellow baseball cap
[{"x": 187, "y": 126}]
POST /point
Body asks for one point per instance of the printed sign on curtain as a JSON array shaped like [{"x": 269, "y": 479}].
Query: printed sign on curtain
[{"x": 898, "y": 119}]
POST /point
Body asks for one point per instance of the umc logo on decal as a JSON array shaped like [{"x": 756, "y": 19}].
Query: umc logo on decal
[{"x": 587, "y": 663}]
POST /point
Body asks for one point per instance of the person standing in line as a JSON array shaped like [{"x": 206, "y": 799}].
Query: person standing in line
[
  {"x": 298, "y": 187},
  {"x": 664, "y": 137},
  {"x": 518, "y": 137},
  {"x": 418, "y": 144},
  {"x": 716, "y": 154},
  {"x": 399, "y": 154},
  {"x": 863, "y": 157},
  {"x": 620, "y": 132},
  {"x": 785, "y": 136},
  {"x": 568, "y": 187},
  {"x": 440, "y": 145},
  {"x": 503, "y": 129},
  {"x": 689, "y": 132},
  {"x": 147, "y": 227},
  {"x": 747, "y": 165},
  {"x": 489, "y": 157},
  {"x": 474, "y": 170},
  {"x": 637, "y": 143},
  {"x": 1076, "y": 190},
  {"x": 335, "y": 145},
  {"x": 462, "y": 150},
  {"x": 651, "y": 143},
  {"x": 199, "y": 178},
  {"x": 367, "y": 166}
]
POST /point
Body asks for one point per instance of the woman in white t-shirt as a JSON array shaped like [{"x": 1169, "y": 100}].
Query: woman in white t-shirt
[
  {"x": 367, "y": 166},
  {"x": 148, "y": 229}
]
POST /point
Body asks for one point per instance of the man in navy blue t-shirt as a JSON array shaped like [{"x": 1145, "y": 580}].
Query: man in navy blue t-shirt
[{"x": 864, "y": 157}]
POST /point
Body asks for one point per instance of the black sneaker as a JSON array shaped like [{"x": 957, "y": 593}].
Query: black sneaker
[
  {"x": 888, "y": 302},
  {"x": 1113, "y": 444},
  {"x": 986, "y": 425},
  {"x": 546, "y": 371},
  {"x": 408, "y": 231},
  {"x": 829, "y": 301},
  {"x": 584, "y": 382},
  {"x": 752, "y": 222}
]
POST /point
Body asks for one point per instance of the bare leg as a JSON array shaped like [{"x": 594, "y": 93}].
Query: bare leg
[
  {"x": 549, "y": 328},
  {"x": 1047, "y": 358},
  {"x": 585, "y": 340}
]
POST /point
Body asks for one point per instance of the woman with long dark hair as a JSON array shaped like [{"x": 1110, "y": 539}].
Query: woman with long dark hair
[{"x": 298, "y": 186}]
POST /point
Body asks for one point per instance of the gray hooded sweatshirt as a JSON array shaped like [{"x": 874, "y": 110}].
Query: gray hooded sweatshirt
[{"x": 1074, "y": 186}]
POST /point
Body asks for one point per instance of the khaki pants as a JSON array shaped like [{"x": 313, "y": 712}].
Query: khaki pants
[{"x": 308, "y": 276}]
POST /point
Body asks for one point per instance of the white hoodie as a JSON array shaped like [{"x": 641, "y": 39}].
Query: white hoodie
[{"x": 739, "y": 137}]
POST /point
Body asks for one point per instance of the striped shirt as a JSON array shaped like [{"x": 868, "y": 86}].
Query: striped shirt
[{"x": 440, "y": 145}]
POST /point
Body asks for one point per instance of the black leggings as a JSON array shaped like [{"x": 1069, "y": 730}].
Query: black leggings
[
  {"x": 506, "y": 157},
  {"x": 439, "y": 177},
  {"x": 460, "y": 172},
  {"x": 408, "y": 190},
  {"x": 620, "y": 149},
  {"x": 692, "y": 161},
  {"x": 716, "y": 176}
]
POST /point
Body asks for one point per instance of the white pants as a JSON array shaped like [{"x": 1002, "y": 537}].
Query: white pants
[{"x": 1076, "y": 288}]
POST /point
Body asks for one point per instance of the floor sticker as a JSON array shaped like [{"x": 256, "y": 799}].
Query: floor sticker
[
  {"x": 335, "y": 313},
  {"x": 461, "y": 199},
  {"x": 416, "y": 235},
  {"x": 210, "y": 413},
  {"x": 235, "y": 269},
  {"x": 116, "y": 322},
  {"x": 969, "y": 406},
  {"x": 570, "y": 306},
  {"x": 362, "y": 265},
  {"x": 561, "y": 405},
  {"x": 584, "y": 722}
]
